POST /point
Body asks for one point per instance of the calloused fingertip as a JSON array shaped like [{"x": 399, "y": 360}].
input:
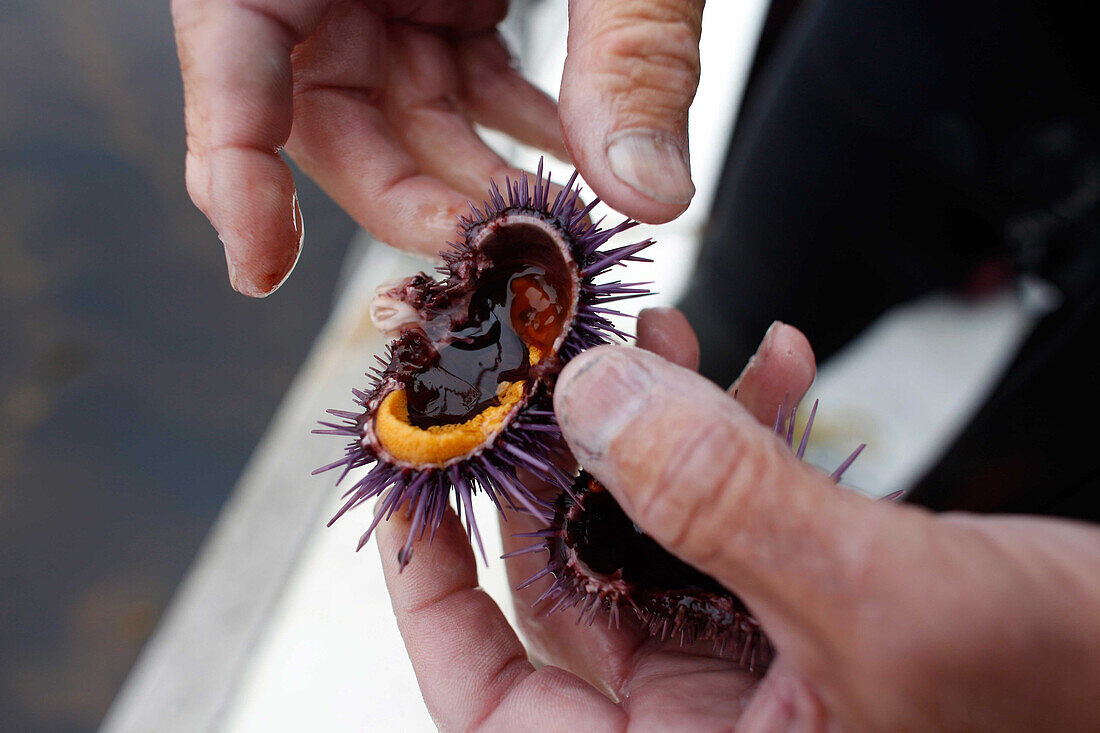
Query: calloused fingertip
[
  {"x": 782, "y": 369},
  {"x": 597, "y": 394},
  {"x": 784, "y": 341}
]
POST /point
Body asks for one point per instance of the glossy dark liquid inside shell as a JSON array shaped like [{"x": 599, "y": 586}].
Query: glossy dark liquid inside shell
[
  {"x": 607, "y": 540},
  {"x": 461, "y": 379},
  {"x": 516, "y": 304}
]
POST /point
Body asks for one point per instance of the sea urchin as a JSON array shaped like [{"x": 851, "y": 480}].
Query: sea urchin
[
  {"x": 602, "y": 562},
  {"x": 463, "y": 397}
]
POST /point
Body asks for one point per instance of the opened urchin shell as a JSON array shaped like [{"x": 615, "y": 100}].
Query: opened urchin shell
[
  {"x": 428, "y": 439},
  {"x": 602, "y": 562}
]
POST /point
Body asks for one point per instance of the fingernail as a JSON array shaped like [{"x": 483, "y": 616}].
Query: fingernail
[
  {"x": 652, "y": 163},
  {"x": 596, "y": 397}
]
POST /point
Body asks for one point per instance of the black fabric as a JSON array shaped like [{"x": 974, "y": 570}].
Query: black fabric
[{"x": 886, "y": 150}]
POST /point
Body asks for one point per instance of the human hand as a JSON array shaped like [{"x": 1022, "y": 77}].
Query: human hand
[
  {"x": 883, "y": 616},
  {"x": 472, "y": 667},
  {"x": 376, "y": 100}
]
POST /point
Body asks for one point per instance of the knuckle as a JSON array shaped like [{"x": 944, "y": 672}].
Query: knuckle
[
  {"x": 649, "y": 61},
  {"x": 745, "y": 474},
  {"x": 704, "y": 486}
]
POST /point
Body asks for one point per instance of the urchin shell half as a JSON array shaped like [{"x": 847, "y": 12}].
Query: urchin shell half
[
  {"x": 601, "y": 562},
  {"x": 420, "y": 468}
]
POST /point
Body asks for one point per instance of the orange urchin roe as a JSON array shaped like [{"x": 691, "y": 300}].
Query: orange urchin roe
[
  {"x": 536, "y": 313},
  {"x": 437, "y": 444}
]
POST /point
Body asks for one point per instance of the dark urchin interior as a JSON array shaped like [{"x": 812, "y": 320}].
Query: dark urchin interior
[
  {"x": 602, "y": 562},
  {"x": 606, "y": 540}
]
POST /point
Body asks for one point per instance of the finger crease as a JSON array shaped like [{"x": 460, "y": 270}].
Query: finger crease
[
  {"x": 432, "y": 603},
  {"x": 499, "y": 698},
  {"x": 243, "y": 145},
  {"x": 370, "y": 95}
]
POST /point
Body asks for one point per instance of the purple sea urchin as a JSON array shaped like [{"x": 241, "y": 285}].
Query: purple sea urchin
[
  {"x": 602, "y": 562},
  {"x": 463, "y": 396}
]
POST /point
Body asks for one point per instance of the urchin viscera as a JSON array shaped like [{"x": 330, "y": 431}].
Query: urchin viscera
[
  {"x": 463, "y": 397},
  {"x": 602, "y": 562}
]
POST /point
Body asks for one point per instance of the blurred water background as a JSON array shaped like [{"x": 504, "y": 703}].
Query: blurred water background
[{"x": 134, "y": 382}]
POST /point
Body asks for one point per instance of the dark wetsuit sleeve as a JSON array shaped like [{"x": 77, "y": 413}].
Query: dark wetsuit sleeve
[{"x": 886, "y": 150}]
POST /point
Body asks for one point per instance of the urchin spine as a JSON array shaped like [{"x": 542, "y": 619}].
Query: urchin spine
[{"x": 529, "y": 440}]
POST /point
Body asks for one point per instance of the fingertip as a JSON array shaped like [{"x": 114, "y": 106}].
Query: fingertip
[
  {"x": 788, "y": 346},
  {"x": 608, "y": 391},
  {"x": 667, "y": 333},
  {"x": 262, "y": 279},
  {"x": 254, "y": 207},
  {"x": 782, "y": 370}
]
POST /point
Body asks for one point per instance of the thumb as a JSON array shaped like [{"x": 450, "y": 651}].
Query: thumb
[
  {"x": 630, "y": 75},
  {"x": 695, "y": 471}
]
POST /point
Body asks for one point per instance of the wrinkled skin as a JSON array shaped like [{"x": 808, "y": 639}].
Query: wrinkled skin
[
  {"x": 885, "y": 617},
  {"x": 377, "y": 99}
]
